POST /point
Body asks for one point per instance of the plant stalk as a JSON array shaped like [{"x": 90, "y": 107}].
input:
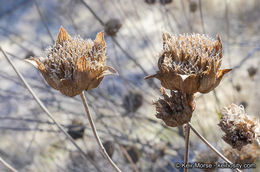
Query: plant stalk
[
  {"x": 96, "y": 134},
  {"x": 84, "y": 155},
  {"x": 210, "y": 146},
  {"x": 12, "y": 169},
  {"x": 187, "y": 140}
]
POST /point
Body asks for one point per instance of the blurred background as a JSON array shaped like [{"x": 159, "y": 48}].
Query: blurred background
[{"x": 122, "y": 105}]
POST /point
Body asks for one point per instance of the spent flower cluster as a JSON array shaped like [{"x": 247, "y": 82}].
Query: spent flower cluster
[
  {"x": 73, "y": 65},
  {"x": 240, "y": 129},
  {"x": 188, "y": 64}
]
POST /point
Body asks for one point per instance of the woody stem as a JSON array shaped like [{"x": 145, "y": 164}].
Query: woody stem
[
  {"x": 95, "y": 133},
  {"x": 210, "y": 146},
  {"x": 187, "y": 140},
  {"x": 12, "y": 169},
  {"x": 36, "y": 98}
]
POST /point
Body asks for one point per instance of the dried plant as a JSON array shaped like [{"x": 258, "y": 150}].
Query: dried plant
[
  {"x": 110, "y": 148},
  {"x": 150, "y": 1},
  {"x": 76, "y": 129},
  {"x": 248, "y": 154},
  {"x": 240, "y": 129},
  {"x": 193, "y": 5},
  {"x": 112, "y": 26},
  {"x": 73, "y": 65},
  {"x": 252, "y": 71},
  {"x": 190, "y": 63},
  {"x": 176, "y": 109},
  {"x": 164, "y": 2},
  {"x": 133, "y": 101}
]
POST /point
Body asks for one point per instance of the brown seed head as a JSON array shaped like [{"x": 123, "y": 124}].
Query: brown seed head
[
  {"x": 190, "y": 63},
  {"x": 133, "y": 101},
  {"x": 239, "y": 128},
  {"x": 193, "y": 5},
  {"x": 164, "y": 2},
  {"x": 73, "y": 64},
  {"x": 109, "y": 147},
  {"x": 112, "y": 26},
  {"x": 248, "y": 154},
  {"x": 176, "y": 109}
]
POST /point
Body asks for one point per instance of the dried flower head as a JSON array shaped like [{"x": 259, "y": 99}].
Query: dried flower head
[
  {"x": 73, "y": 64},
  {"x": 239, "y": 128},
  {"x": 112, "y": 26},
  {"x": 193, "y": 5},
  {"x": 76, "y": 129},
  {"x": 190, "y": 63},
  {"x": 109, "y": 147},
  {"x": 164, "y": 2},
  {"x": 176, "y": 109},
  {"x": 133, "y": 101},
  {"x": 252, "y": 71},
  {"x": 150, "y": 1},
  {"x": 248, "y": 154}
]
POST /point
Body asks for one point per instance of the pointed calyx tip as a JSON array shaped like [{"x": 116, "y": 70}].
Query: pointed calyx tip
[
  {"x": 100, "y": 39},
  {"x": 150, "y": 76},
  {"x": 63, "y": 36}
]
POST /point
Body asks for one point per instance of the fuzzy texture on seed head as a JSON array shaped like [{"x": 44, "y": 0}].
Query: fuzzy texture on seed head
[
  {"x": 240, "y": 129},
  {"x": 72, "y": 64},
  {"x": 190, "y": 63},
  {"x": 175, "y": 109}
]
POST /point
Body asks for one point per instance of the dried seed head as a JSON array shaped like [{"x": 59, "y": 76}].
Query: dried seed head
[
  {"x": 150, "y": 1},
  {"x": 248, "y": 154},
  {"x": 133, "y": 101},
  {"x": 109, "y": 147},
  {"x": 252, "y": 71},
  {"x": 190, "y": 63},
  {"x": 176, "y": 109},
  {"x": 239, "y": 128},
  {"x": 238, "y": 87},
  {"x": 193, "y": 5},
  {"x": 112, "y": 26},
  {"x": 164, "y": 2},
  {"x": 76, "y": 129},
  {"x": 73, "y": 64}
]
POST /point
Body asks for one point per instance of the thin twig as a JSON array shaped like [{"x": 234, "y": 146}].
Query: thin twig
[
  {"x": 210, "y": 146},
  {"x": 43, "y": 21},
  {"x": 7, "y": 165},
  {"x": 128, "y": 157},
  {"x": 96, "y": 134},
  {"x": 84, "y": 155},
  {"x": 113, "y": 39},
  {"x": 187, "y": 140}
]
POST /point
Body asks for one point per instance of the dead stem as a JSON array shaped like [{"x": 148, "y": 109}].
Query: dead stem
[
  {"x": 43, "y": 20},
  {"x": 84, "y": 155},
  {"x": 134, "y": 167},
  {"x": 96, "y": 134},
  {"x": 210, "y": 146},
  {"x": 7, "y": 165},
  {"x": 187, "y": 140}
]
